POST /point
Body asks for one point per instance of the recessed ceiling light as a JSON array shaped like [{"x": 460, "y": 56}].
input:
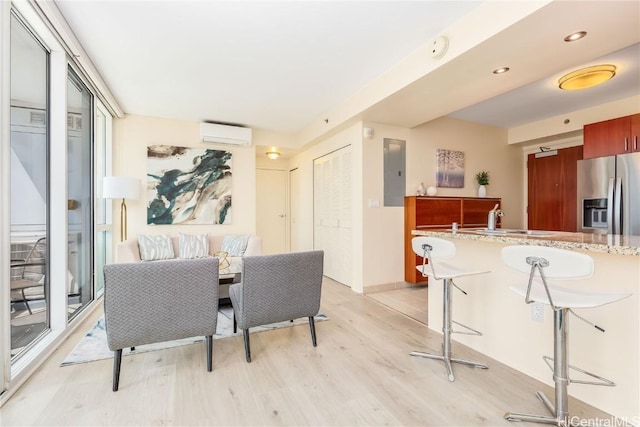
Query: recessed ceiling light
[
  {"x": 587, "y": 77},
  {"x": 501, "y": 70},
  {"x": 575, "y": 36}
]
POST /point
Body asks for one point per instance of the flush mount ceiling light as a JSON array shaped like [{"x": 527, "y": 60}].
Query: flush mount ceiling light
[
  {"x": 575, "y": 36},
  {"x": 587, "y": 77},
  {"x": 500, "y": 70},
  {"x": 272, "y": 154}
]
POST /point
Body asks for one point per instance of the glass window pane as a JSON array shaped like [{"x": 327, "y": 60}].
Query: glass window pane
[
  {"x": 79, "y": 191},
  {"x": 29, "y": 189}
]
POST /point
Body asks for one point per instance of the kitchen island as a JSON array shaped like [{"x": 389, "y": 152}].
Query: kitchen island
[{"x": 513, "y": 338}]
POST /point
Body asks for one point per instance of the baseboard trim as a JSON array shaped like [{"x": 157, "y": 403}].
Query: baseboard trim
[{"x": 388, "y": 287}]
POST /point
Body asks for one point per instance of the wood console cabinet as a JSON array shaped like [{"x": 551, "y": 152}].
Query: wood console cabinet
[
  {"x": 439, "y": 212},
  {"x": 611, "y": 137}
]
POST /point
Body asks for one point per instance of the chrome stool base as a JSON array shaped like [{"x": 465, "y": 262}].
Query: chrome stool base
[
  {"x": 559, "y": 410},
  {"x": 446, "y": 339},
  {"x": 447, "y": 362},
  {"x": 544, "y": 419}
]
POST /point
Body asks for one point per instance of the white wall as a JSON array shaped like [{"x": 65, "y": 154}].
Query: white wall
[
  {"x": 133, "y": 134},
  {"x": 485, "y": 148},
  {"x": 378, "y": 232},
  {"x": 382, "y": 227}
]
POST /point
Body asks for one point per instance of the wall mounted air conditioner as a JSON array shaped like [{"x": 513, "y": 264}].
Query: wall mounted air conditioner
[{"x": 225, "y": 134}]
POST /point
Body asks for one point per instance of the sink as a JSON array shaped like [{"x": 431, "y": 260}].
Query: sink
[{"x": 509, "y": 231}]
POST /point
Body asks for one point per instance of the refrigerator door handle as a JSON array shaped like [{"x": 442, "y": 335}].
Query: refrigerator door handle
[
  {"x": 617, "y": 207},
  {"x": 610, "y": 207}
]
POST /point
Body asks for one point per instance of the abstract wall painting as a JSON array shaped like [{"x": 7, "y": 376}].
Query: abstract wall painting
[
  {"x": 449, "y": 168},
  {"x": 188, "y": 185}
]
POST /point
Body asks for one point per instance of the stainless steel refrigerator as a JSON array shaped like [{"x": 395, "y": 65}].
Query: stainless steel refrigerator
[{"x": 609, "y": 195}]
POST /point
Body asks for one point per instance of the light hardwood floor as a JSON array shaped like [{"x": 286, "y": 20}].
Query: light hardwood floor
[
  {"x": 360, "y": 374},
  {"x": 412, "y": 301}
]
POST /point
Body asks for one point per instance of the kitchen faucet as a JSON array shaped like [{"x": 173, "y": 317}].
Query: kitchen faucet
[{"x": 493, "y": 217}]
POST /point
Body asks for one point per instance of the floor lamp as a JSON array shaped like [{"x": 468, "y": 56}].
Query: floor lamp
[{"x": 121, "y": 187}]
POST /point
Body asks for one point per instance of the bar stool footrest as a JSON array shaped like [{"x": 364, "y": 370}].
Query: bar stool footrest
[
  {"x": 601, "y": 381},
  {"x": 469, "y": 331}
]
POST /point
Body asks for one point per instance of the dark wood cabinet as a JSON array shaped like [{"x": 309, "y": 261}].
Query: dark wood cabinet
[
  {"x": 439, "y": 212},
  {"x": 552, "y": 190},
  {"x": 635, "y": 132},
  {"x": 611, "y": 137}
]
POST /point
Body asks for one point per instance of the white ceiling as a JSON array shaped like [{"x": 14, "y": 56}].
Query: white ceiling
[{"x": 280, "y": 66}]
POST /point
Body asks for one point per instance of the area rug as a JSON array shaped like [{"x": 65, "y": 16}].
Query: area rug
[{"x": 94, "y": 344}]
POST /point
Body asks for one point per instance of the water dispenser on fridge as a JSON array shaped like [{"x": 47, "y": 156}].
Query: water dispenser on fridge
[{"x": 594, "y": 213}]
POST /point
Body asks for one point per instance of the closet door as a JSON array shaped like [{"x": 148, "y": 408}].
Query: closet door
[{"x": 332, "y": 213}]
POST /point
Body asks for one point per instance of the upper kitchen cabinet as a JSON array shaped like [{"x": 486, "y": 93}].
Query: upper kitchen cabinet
[
  {"x": 611, "y": 137},
  {"x": 635, "y": 132}
]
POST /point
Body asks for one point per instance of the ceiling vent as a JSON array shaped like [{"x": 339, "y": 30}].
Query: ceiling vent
[{"x": 225, "y": 134}]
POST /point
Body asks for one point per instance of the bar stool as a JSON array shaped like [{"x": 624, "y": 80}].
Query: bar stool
[
  {"x": 432, "y": 249},
  {"x": 554, "y": 263}
]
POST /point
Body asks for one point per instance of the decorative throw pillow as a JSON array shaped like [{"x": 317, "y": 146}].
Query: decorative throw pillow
[
  {"x": 235, "y": 245},
  {"x": 194, "y": 246},
  {"x": 155, "y": 247}
]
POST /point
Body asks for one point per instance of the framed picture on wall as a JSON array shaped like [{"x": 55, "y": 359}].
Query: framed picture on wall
[
  {"x": 449, "y": 168},
  {"x": 188, "y": 185}
]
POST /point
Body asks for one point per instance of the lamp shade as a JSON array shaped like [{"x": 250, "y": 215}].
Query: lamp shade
[{"x": 120, "y": 187}]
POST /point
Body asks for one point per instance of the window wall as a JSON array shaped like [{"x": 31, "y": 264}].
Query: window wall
[
  {"x": 55, "y": 227},
  {"x": 29, "y": 284}
]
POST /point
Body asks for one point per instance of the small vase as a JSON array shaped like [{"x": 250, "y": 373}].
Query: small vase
[
  {"x": 482, "y": 191},
  {"x": 421, "y": 191}
]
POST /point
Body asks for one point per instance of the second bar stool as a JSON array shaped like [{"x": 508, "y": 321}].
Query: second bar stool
[
  {"x": 432, "y": 250},
  {"x": 542, "y": 263}
]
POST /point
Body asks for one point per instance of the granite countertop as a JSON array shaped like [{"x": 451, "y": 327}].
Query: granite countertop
[{"x": 607, "y": 243}]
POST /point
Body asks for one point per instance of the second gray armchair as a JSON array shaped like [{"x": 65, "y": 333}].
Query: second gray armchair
[{"x": 277, "y": 288}]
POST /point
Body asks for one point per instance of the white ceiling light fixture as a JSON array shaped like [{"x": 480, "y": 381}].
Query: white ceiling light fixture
[
  {"x": 501, "y": 70},
  {"x": 587, "y": 77},
  {"x": 273, "y": 154},
  {"x": 575, "y": 36}
]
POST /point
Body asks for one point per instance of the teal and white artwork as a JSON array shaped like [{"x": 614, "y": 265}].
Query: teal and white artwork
[
  {"x": 449, "y": 168},
  {"x": 188, "y": 185}
]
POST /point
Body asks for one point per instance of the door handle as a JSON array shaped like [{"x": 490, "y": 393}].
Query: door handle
[{"x": 610, "y": 189}]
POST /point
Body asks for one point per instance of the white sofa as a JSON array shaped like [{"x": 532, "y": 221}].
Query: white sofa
[{"x": 128, "y": 251}]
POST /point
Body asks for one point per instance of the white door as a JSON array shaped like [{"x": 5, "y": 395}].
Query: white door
[
  {"x": 271, "y": 210},
  {"x": 294, "y": 210}
]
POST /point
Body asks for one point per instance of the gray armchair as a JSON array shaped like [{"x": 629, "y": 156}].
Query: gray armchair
[
  {"x": 146, "y": 303},
  {"x": 276, "y": 288}
]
